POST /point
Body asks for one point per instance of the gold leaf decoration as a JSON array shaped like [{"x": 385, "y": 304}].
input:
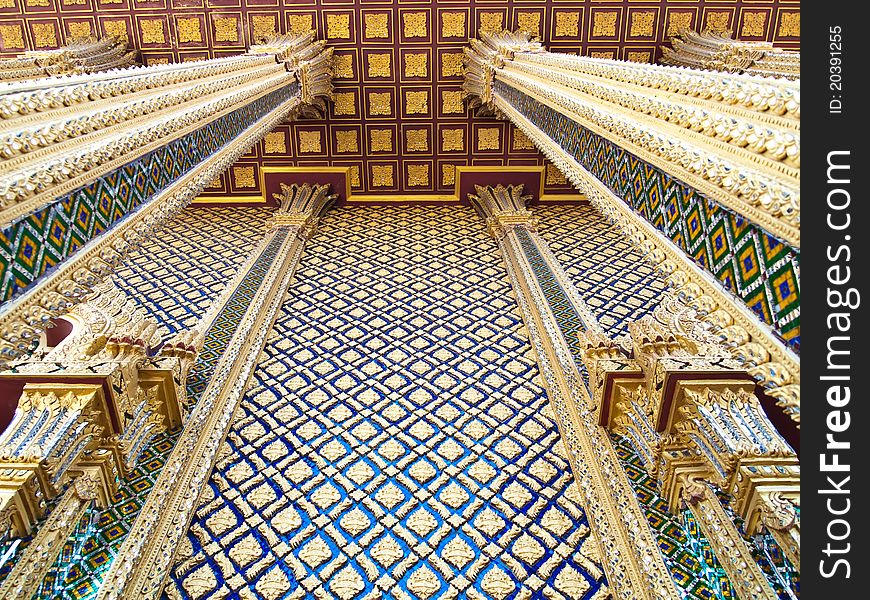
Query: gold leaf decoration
[
  {"x": 522, "y": 141},
  {"x": 415, "y": 24},
  {"x": 417, "y": 102},
  {"x": 310, "y": 142},
  {"x": 381, "y": 140},
  {"x": 346, "y": 141},
  {"x": 604, "y": 24},
  {"x": 12, "y": 36},
  {"x": 244, "y": 177},
  {"x": 753, "y": 24},
  {"x": 226, "y": 29},
  {"x": 451, "y": 102},
  {"x": 379, "y": 65},
  {"x": 417, "y": 140},
  {"x": 567, "y": 24},
  {"x": 453, "y": 24},
  {"x": 448, "y": 174},
  {"x": 529, "y": 22},
  {"x": 377, "y": 25},
  {"x": 342, "y": 66},
  {"x": 416, "y": 64},
  {"x": 116, "y": 28},
  {"x": 418, "y": 175},
  {"x": 452, "y": 140},
  {"x": 380, "y": 103},
  {"x": 679, "y": 21},
  {"x": 189, "y": 30},
  {"x": 789, "y": 24},
  {"x": 44, "y": 35},
  {"x": 79, "y": 29},
  {"x": 382, "y": 175},
  {"x": 642, "y": 24},
  {"x": 345, "y": 103},
  {"x": 338, "y": 26},
  {"x": 152, "y": 31},
  {"x": 491, "y": 21},
  {"x": 718, "y": 20},
  {"x": 300, "y": 23},
  {"x": 275, "y": 143},
  {"x": 638, "y": 56},
  {"x": 264, "y": 27},
  {"x": 488, "y": 138},
  {"x": 355, "y": 180}
]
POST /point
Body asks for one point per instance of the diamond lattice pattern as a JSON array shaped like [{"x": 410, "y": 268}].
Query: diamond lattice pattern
[{"x": 396, "y": 441}]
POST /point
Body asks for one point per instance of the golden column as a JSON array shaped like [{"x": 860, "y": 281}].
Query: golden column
[
  {"x": 629, "y": 553},
  {"x": 733, "y": 139},
  {"x": 95, "y": 163}
]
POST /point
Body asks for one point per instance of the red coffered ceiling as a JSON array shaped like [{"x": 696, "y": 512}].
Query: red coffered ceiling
[{"x": 398, "y": 122}]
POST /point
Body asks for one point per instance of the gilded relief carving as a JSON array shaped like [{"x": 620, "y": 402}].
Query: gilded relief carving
[
  {"x": 243, "y": 177},
  {"x": 789, "y": 24},
  {"x": 555, "y": 176},
  {"x": 12, "y": 36},
  {"x": 345, "y": 103},
  {"x": 488, "y": 138},
  {"x": 152, "y": 31},
  {"x": 354, "y": 176},
  {"x": 379, "y": 65},
  {"x": 452, "y": 102},
  {"x": 303, "y": 23},
  {"x": 639, "y": 56},
  {"x": 416, "y": 65},
  {"x": 679, "y": 21},
  {"x": 342, "y": 66},
  {"x": 346, "y": 141},
  {"x": 117, "y": 29},
  {"x": 79, "y": 29},
  {"x": 382, "y": 176},
  {"x": 521, "y": 141},
  {"x": 491, "y": 21},
  {"x": 453, "y": 24},
  {"x": 530, "y": 22},
  {"x": 451, "y": 65},
  {"x": 754, "y": 24},
  {"x": 718, "y": 20},
  {"x": 417, "y": 140},
  {"x": 189, "y": 30},
  {"x": 380, "y": 103},
  {"x": 263, "y": 26},
  {"x": 381, "y": 140},
  {"x": 226, "y": 29},
  {"x": 310, "y": 142},
  {"x": 604, "y": 24},
  {"x": 376, "y": 25},
  {"x": 568, "y": 24},
  {"x": 415, "y": 24},
  {"x": 417, "y": 102},
  {"x": 642, "y": 24},
  {"x": 452, "y": 140},
  {"x": 338, "y": 26},
  {"x": 44, "y": 35},
  {"x": 275, "y": 142},
  {"x": 418, "y": 175},
  {"x": 448, "y": 174}
]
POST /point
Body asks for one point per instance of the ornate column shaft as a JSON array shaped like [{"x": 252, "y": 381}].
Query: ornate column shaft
[
  {"x": 90, "y": 404},
  {"x": 689, "y": 410},
  {"x": 634, "y": 566},
  {"x": 86, "y": 55},
  {"x": 718, "y": 51},
  {"x": 142, "y": 564},
  {"x": 628, "y": 135},
  {"x": 124, "y": 151}
]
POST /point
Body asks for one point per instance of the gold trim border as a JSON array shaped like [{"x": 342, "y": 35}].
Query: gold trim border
[{"x": 397, "y": 198}]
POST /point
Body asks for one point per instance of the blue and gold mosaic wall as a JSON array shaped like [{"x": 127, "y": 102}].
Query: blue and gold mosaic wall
[
  {"x": 396, "y": 439},
  {"x": 32, "y": 246},
  {"x": 751, "y": 264},
  {"x": 178, "y": 273},
  {"x": 614, "y": 280}
]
